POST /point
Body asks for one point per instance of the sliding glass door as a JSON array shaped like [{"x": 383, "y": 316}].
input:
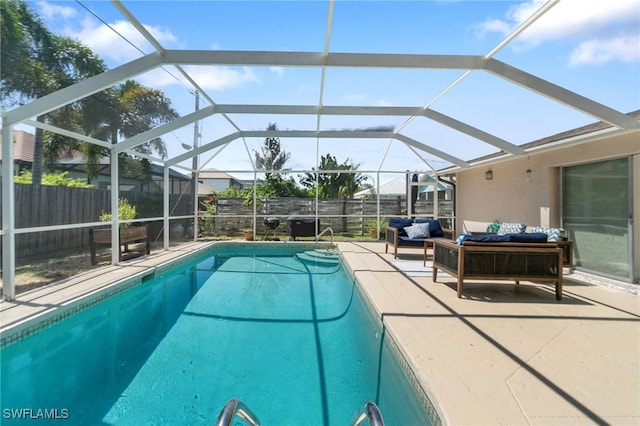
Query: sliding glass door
[{"x": 596, "y": 211}]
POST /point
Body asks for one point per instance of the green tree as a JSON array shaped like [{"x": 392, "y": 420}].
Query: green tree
[
  {"x": 278, "y": 186},
  {"x": 271, "y": 156},
  {"x": 36, "y": 62},
  {"x": 140, "y": 109},
  {"x": 122, "y": 111},
  {"x": 53, "y": 179},
  {"x": 334, "y": 180},
  {"x": 275, "y": 186},
  {"x": 136, "y": 109}
]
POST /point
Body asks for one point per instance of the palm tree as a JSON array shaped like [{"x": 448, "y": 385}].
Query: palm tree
[
  {"x": 141, "y": 109},
  {"x": 271, "y": 156},
  {"x": 120, "y": 112},
  {"x": 334, "y": 185},
  {"x": 36, "y": 62}
]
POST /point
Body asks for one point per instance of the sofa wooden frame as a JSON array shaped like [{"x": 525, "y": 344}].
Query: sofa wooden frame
[
  {"x": 392, "y": 240},
  {"x": 536, "y": 262}
]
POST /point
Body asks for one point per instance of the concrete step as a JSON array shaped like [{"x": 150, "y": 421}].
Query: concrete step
[{"x": 320, "y": 256}]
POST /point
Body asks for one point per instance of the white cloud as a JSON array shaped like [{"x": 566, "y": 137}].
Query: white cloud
[
  {"x": 279, "y": 71},
  {"x": 49, "y": 11},
  {"x": 494, "y": 26},
  {"x": 115, "y": 44},
  {"x": 604, "y": 31},
  {"x": 222, "y": 78},
  {"x": 109, "y": 43},
  {"x": 111, "y": 46},
  {"x": 626, "y": 49}
]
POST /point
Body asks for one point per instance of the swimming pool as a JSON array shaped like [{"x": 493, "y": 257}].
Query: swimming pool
[{"x": 291, "y": 337}]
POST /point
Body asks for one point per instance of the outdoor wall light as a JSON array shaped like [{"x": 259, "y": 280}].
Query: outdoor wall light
[
  {"x": 528, "y": 172},
  {"x": 488, "y": 175}
]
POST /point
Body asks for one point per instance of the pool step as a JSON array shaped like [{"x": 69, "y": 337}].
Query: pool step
[{"x": 326, "y": 257}]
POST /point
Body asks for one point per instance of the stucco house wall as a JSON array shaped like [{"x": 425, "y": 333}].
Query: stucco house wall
[{"x": 513, "y": 196}]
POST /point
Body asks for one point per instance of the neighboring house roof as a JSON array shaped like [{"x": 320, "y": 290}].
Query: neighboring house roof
[
  {"x": 429, "y": 188},
  {"x": 396, "y": 186},
  {"x": 23, "y": 151},
  {"x": 214, "y": 174},
  {"x": 76, "y": 159},
  {"x": 23, "y": 143},
  {"x": 224, "y": 180},
  {"x": 203, "y": 190}
]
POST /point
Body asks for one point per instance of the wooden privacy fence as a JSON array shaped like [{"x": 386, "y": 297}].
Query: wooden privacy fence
[
  {"x": 44, "y": 205},
  {"x": 344, "y": 216}
]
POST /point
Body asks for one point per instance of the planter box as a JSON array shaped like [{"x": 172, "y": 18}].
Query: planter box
[{"x": 132, "y": 235}]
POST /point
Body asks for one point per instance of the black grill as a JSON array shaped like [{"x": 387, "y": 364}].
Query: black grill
[
  {"x": 271, "y": 222},
  {"x": 302, "y": 226},
  {"x": 270, "y": 225}
]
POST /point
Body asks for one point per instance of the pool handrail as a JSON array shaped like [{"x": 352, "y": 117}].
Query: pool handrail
[
  {"x": 324, "y": 232},
  {"x": 233, "y": 408},
  {"x": 371, "y": 412}
]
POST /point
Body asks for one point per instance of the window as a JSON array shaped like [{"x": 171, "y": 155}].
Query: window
[{"x": 596, "y": 207}]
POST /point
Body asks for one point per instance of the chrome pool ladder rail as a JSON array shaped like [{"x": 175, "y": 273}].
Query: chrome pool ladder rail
[
  {"x": 324, "y": 232},
  {"x": 371, "y": 412},
  {"x": 233, "y": 408}
]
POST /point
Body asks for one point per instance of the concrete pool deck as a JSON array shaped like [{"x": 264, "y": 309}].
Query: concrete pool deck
[
  {"x": 503, "y": 354},
  {"x": 507, "y": 354}
]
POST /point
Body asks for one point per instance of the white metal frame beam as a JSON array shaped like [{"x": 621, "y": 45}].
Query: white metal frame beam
[
  {"x": 330, "y": 134},
  {"x": 8, "y": 216},
  {"x": 500, "y": 69},
  {"x": 561, "y": 95},
  {"x": 163, "y": 129},
  {"x": 322, "y": 60},
  {"x": 84, "y": 88},
  {"x": 375, "y": 110}
]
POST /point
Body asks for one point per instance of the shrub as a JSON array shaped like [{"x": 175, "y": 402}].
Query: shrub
[
  {"x": 125, "y": 212},
  {"x": 53, "y": 179}
]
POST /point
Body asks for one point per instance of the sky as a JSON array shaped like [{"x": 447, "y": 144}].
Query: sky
[{"x": 591, "y": 47}]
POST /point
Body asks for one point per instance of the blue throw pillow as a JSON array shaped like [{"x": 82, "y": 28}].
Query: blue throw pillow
[
  {"x": 400, "y": 223},
  {"x": 482, "y": 238},
  {"x": 435, "y": 229},
  {"x": 533, "y": 237}
]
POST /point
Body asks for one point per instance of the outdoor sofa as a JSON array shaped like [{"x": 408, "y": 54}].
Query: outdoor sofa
[
  {"x": 396, "y": 235},
  {"x": 510, "y": 257},
  {"x": 554, "y": 235}
]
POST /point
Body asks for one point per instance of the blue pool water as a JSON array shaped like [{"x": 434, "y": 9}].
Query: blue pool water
[{"x": 291, "y": 338}]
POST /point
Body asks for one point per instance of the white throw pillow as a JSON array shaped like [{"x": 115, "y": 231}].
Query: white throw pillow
[
  {"x": 553, "y": 234},
  {"x": 418, "y": 230},
  {"x": 512, "y": 228}
]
